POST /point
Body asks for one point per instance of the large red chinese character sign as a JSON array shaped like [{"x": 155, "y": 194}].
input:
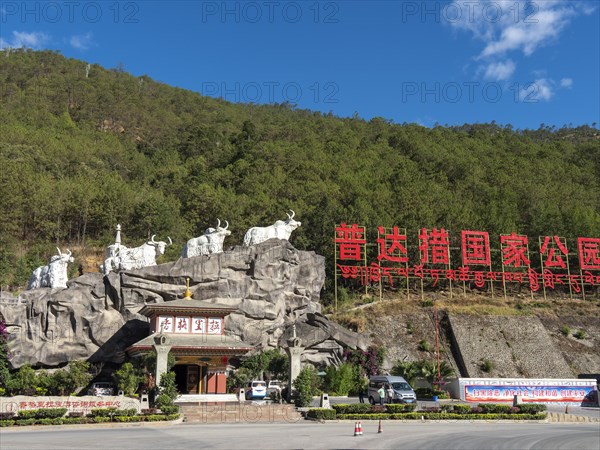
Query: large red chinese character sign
[
  {"x": 434, "y": 246},
  {"x": 391, "y": 261},
  {"x": 554, "y": 257},
  {"x": 476, "y": 252},
  {"x": 589, "y": 253},
  {"x": 351, "y": 242},
  {"x": 350, "y": 247},
  {"x": 392, "y": 254},
  {"x": 515, "y": 261}
]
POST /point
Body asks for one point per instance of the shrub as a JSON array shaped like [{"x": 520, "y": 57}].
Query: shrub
[
  {"x": 306, "y": 384},
  {"x": 321, "y": 414},
  {"x": 126, "y": 412},
  {"x": 354, "y": 408},
  {"x": 99, "y": 419},
  {"x": 487, "y": 366},
  {"x": 565, "y": 330},
  {"x": 50, "y": 413},
  {"x": 103, "y": 412},
  {"x": 372, "y": 416},
  {"x": 74, "y": 414},
  {"x": 127, "y": 418},
  {"x": 532, "y": 408},
  {"x": 149, "y": 411},
  {"x": 49, "y": 421},
  {"x": 127, "y": 379},
  {"x": 423, "y": 392},
  {"x": 74, "y": 420},
  {"x": 27, "y": 414},
  {"x": 7, "y": 415},
  {"x": 159, "y": 417},
  {"x": 396, "y": 408},
  {"x": 424, "y": 346},
  {"x": 339, "y": 380},
  {"x": 25, "y": 422},
  {"x": 495, "y": 408},
  {"x": 171, "y": 409},
  {"x": 457, "y": 409},
  {"x": 7, "y": 423},
  {"x": 580, "y": 334}
]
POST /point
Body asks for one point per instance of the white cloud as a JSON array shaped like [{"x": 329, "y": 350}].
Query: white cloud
[
  {"x": 566, "y": 83},
  {"x": 534, "y": 31},
  {"x": 500, "y": 71},
  {"x": 505, "y": 26},
  {"x": 508, "y": 25},
  {"x": 541, "y": 89},
  {"x": 34, "y": 40},
  {"x": 81, "y": 41}
]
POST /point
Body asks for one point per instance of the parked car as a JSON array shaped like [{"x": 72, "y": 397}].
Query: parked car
[
  {"x": 256, "y": 390},
  {"x": 101, "y": 388},
  {"x": 274, "y": 386},
  {"x": 403, "y": 393}
]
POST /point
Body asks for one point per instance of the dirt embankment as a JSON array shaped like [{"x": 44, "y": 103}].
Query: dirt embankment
[{"x": 485, "y": 337}]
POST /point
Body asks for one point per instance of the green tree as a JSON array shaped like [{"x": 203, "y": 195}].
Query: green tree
[
  {"x": 409, "y": 370},
  {"x": 127, "y": 379},
  {"x": 340, "y": 380},
  {"x": 307, "y": 386}
]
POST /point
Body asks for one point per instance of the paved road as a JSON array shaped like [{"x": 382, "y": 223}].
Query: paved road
[{"x": 311, "y": 435}]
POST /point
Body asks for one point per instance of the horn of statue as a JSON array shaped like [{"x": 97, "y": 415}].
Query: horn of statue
[
  {"x": 226, "y": 225},
  {"x": 59, "y": 252},
  {"x": 218, "y": 222},
  {"x": 152, "y": 241},
  {"x": 170, "y": 241},
  {"x": 293, "y": 214},
  {"x": 69, "y": 253}
]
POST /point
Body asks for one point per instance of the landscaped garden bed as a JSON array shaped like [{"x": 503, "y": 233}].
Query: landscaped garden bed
[
  {"x": 483, "y": 411},
  {"x": 56, "y": 416}
]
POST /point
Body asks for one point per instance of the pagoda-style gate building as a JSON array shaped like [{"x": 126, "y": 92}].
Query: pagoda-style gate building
[{"x": 193, "y": 331}]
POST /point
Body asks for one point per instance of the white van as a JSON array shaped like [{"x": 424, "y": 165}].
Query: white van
[
  {"x": 403, "y": 393},
  {"x": 256, "y": 390}
]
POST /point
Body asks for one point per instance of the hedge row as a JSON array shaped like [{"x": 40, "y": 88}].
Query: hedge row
[
  {"x": 441, "y": 416},
  {"x": 366, "y": 408},
  {"x": 81, "y": 420},
  {"x": 495, "y": 408}
]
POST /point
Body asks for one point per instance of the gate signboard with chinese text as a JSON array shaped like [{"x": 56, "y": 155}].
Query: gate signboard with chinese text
[{"x": 433, "y": 263}]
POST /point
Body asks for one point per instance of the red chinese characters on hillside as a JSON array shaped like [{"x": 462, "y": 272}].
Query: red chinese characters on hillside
[
  {"x": 589, "y": 253},
  {"x": 476, "y": 248},
  {"x": 351, "y": 242},
  {"x": 434, "y": 249}
]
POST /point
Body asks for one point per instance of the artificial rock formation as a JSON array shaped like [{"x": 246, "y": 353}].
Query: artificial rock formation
[{"x": 272, "y": 284}]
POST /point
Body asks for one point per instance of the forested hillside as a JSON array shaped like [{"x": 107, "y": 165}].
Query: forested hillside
[{"x": 79, "y": 154}]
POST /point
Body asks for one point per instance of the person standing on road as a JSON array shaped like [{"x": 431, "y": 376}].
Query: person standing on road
[
  {"x": 381, "y": 393},
  {"x": 390, "y": 394},
  {"x": 361, "y": 394}
]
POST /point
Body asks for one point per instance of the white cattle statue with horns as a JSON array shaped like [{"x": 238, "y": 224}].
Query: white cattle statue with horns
[
  {"x": 210, "y": 242},
  {"x": 119, "y": 257},
  {"x": 54, "y": 275},
  {"x": 282, "y": 229}
]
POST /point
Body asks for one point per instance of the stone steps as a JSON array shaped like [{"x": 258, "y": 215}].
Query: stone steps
[
  {"x": 245, "y": 412},
  {"x": 562, "y": 417}
]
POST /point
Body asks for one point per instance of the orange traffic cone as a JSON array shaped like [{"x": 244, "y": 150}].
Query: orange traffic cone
[
  {"x": 360, "y": 428},
  {"x": 356, "y": 430},
  {"x": 380, "y": 430}
]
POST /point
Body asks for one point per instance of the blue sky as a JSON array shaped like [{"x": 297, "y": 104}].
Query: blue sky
[{"x": 523, "y": 63}]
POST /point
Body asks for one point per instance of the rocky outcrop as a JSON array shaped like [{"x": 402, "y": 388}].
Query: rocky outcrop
[{"x": 272, "y": 285}]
